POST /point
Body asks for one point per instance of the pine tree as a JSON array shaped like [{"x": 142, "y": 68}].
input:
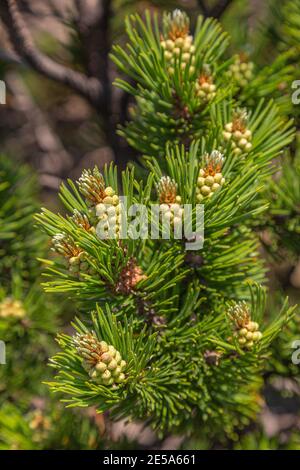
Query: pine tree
[{"x": 178, "y": 338}]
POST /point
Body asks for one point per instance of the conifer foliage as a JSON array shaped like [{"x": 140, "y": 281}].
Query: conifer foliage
[
  {"x": 18, "y": 248},
  {"x": 29, "y": 318},
  {"x": 166, "y": 334}
]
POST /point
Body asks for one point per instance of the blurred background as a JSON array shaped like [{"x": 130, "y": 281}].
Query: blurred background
[
  {"x": 61, "y": 115},
  {"x": 51, "y": 125}
]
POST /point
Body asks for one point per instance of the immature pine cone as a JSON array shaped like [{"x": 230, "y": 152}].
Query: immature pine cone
[
  {"x": 177, "y": 43},
  {"x": 241, "y": 71},
  {"x": 237, "y": 133},
  {"x": 130, "y": 276},
  {"x": 246, "y": 331},
  {"x": 210, "y": 177},
  {"x": 102, "y": 361}
]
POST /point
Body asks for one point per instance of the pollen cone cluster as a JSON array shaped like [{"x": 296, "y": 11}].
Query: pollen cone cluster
[
  {"x": 177, "y": 43},
  {"x": 105, "y": 203},
  {"x": 109, "y": 215},
  {"x": 205, "y": 87},
  {"x": 102, "y": 361},
  {"x": 246, "y": 331},
  {"x": 170, "y": 206},
  {"x": 210, "y": 177},
  {"x": 238, "y": 134},
  {"x": 82, "y": 221},
  {"x": 241, "y": 71},
  {"x": 76, "y": 258},
  {"x": 11, "y": 308}
]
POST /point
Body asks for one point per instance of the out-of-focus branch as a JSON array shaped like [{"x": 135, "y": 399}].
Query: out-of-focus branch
[
  {"x": 215, "y": 11},
  {"x": 55, "y": 11},
  {"x": 10, "y": 57},
  {"x": 53, "y": 159},
  {"x": 89, "y": 87},
  {"x": 92, "y": 21},
  {"x": 86, "y": 15},
  {"x": 220, "y": 7},
  {"x": 203, "y": 7}
]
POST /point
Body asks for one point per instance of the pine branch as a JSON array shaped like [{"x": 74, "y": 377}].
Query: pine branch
[
  {"x": 173, "y": 342},
  {"x": 20, "y": 36}
]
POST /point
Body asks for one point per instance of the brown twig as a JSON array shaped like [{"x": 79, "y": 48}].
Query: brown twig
[{"x": 220, "y": 8}]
